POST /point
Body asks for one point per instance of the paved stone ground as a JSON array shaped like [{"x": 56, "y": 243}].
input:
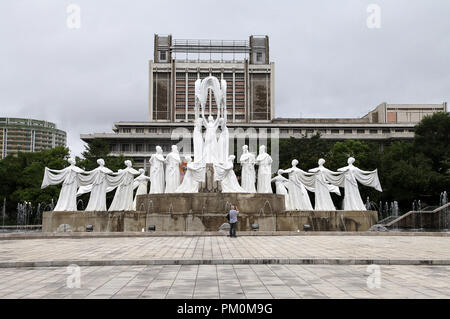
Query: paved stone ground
[
  {"x": 213, "y": 247},
  {"x": 227, "y": 281}
]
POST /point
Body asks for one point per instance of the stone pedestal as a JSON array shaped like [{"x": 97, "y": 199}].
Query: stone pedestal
[{"x": 210, "y": 185}]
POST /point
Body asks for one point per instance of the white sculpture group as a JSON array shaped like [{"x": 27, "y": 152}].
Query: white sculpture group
[
  {"x": 165, "y": 175},
  {"x": 321, "y": 181}
]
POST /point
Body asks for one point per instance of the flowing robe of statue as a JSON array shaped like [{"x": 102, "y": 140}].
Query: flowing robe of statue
[
  {"x": 173, "y": 175},
  {"x": 280, "y": 187},
  {"x": 223, "y": 143},
  {"x": 298, "y": 195},
  {"x": 210, "y": 148},
  {"x": 264, "y": 161},
  {"x": 225, "y": 174},
  {"x": 198, "y": 141},
  {"x": 353, "y": 175},
  {"x": 323, "y": 178},
  {"x": 69, "y": 177},
  {"x": 140, "y": 183},
  {"x": 195, "y": 174},
  {"x": 123, "y": 198},
  {"x": 248, "y": 174},
  {"x": 97, "y": 186},
  {"x": 157, "y": 173}
]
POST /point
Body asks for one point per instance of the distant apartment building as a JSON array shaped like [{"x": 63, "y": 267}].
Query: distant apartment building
[
  {"x": 246, "y": 66},
  {"x": 28, "y": 135}
]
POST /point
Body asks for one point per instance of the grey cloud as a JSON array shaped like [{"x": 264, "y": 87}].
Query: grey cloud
[{"x": 328, "y": 63}]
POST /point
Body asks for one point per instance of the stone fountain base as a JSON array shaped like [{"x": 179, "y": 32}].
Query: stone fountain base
[{"x": 206, "y": 212}]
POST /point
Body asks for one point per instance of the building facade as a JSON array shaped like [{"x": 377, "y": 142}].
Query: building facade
[
  {"x": 244, "y": 64},
  {"x": 403, "y": 113},
  {"x": 28, "y": 135},
  {"x": 246, "y": 67}
]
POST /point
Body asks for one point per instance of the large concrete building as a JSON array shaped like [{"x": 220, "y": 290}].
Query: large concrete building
[
  {"x": 249, "y": 73},
  {"x": 245, "y": 65},
  {"x": 28, "y": 135}
]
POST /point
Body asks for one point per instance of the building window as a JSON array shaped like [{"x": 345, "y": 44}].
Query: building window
[
  {"x": 140, "y": 130},
  {"x": 258, "y": 56},
  {"x": 162, "y": 56},
  {"x": 125, "y": 148},
  {"x": 348, "y": 131},
  {"x": 139, "y": 148},
  {"x": 373, "y": 131},
  {"x": 360, "y": 131},
  {"x": 126, "y": 130},
  {"x": 386, "y": 130},
  {"x": 334, "y": 131},
  {"x": 152, "y": 130}
]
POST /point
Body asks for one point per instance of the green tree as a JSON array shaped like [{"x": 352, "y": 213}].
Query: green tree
[
  {"x": 21, "y": 177},
  {"x": 406, "y": 175},
  {"x": 432, "y": 138}
]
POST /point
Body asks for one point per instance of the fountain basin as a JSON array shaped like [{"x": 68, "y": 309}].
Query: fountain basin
[{"x": 206, "y": 212}]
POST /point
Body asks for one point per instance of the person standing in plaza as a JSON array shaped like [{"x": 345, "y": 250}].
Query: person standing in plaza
[{"x": 232, "y": 215}]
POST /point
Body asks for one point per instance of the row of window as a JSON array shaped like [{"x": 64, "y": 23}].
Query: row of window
[{"x": 346, "y": 131}]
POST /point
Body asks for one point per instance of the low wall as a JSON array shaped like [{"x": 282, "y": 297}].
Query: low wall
[{"x": 132, "y": 221}]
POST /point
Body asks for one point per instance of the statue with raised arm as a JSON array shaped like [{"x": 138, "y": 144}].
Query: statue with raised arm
[
  {"x": 198, "y": 125},
  {"x": 225, "y": 174},
  {"x": 281, "y": 183},
  {"x": 173, "y": 175},
  {"x": 69, "y": 178},
  {"x": 210, "y": 148},
  {"x": 97, "y": 186},
  {"x": 248, "y": 174},
  {"x": 141, "y": 183},
  {"x": 325, "y": 181},
  {"x": 298, "y": 195},
  {"x": 353, "y": 175},
  {"x": 195, "y": 174},
  {"x": 157, "y": 172},
  {"x": 123, "y": 198},
  {"x": 224, "y": 141},
  {"x": 264, "y": 162}
]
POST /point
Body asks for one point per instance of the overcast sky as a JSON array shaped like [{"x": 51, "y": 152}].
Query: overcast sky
[{"x": 328, "y": 63}]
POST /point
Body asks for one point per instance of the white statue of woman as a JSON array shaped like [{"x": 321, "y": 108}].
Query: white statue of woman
[
  {"x": 173, "y": 175},
  {"x": 69, "y": 177},
  {"x": 140, "y": 183},
  {"x": 224, "y": 141},
  {"x": 98, "y": 184},
  {"x": 198, "y": 140},
  {"x": 280, "y": 186},
  {"x": 248, "y": 174},
  {"x": 298, "y": 195},
  {"x": 264, "y": 161},
  {"x": 210, "y": 148},
  {"x": 195, "y": 174},
  {"x": 123, "y": 198},
  {"x": 323, "y": 178},
  {"x": 157, "y": 172},
  {"x": 353, "y": 175},
  {"x": 225, "y": 173}
]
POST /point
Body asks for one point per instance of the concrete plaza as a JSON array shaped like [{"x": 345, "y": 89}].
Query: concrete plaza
[
  {"x": 227, "y": 281},
  {"x": 324, "y": 266}
]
